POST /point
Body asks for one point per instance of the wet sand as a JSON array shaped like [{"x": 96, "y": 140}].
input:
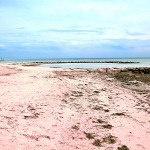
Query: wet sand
[{"x": 71, "y": 109}]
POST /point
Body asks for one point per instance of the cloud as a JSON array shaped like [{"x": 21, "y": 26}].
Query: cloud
[
  {"x": 73, "y": 28},
  {"x": 135, "y": 33},
  {"x": 100, "y": 31},
  {"x": 2, "y": 45}
]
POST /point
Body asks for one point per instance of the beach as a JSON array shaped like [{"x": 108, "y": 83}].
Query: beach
[{"x": 73, "y": 109}]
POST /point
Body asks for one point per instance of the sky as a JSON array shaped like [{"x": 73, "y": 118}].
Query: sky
[{"x": 74, "y": 28}]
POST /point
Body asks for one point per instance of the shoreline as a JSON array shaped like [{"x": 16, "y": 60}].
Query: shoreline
[
  {"x": 88, "y": 65},
  {"x": 51, "y": 62},
  {"x": 64, "y": 62},
  {"x": 84, "y": 109}
]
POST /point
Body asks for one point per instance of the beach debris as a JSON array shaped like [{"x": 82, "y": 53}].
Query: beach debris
[
  {"x": 97, "y": 143},
  {"x": 96, "y": 91},
  {"x": 75, "y": 127},
  {"x": 110, "y": 79},
  {"x": 89, "y": 135},
  {"x": 109, "y": 139},
  {"x": 103, "y": 89},
  {"x": 107, "y": 126},
  {"x": 118, "y": 114},
  {"x": 123, "y": 147},
  {"x": 100, "y": 121}
]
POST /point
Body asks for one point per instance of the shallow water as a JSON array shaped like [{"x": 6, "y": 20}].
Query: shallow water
[{"x": 143, "y": 62}]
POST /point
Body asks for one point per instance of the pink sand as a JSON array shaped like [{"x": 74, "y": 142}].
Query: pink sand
[{"x": 40, "y": 108}]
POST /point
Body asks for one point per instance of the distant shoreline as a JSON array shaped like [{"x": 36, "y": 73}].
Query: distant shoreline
[
  {"x": 123, "y": 62},
  {"x": 63, "y": 62}
]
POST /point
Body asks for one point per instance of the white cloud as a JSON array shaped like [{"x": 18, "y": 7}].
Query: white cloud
[
  {"x": 73, "y": 22},
  {"x": 2, "y": 45}
]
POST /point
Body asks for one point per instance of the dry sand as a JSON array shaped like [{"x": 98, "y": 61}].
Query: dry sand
[{"x": 70, "y": 109}]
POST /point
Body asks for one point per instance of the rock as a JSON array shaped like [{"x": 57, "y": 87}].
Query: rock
[
  {"x": 137, "y": 83},
  {"x": 110, "y": 79},
  {"x": 103, "y": 89}
]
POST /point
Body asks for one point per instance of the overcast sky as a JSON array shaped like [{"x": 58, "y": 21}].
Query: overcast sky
[{"x": 74, "y": 28}]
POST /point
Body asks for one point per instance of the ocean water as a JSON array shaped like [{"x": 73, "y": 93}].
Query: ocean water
[{"x": 143, "y": 62}]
